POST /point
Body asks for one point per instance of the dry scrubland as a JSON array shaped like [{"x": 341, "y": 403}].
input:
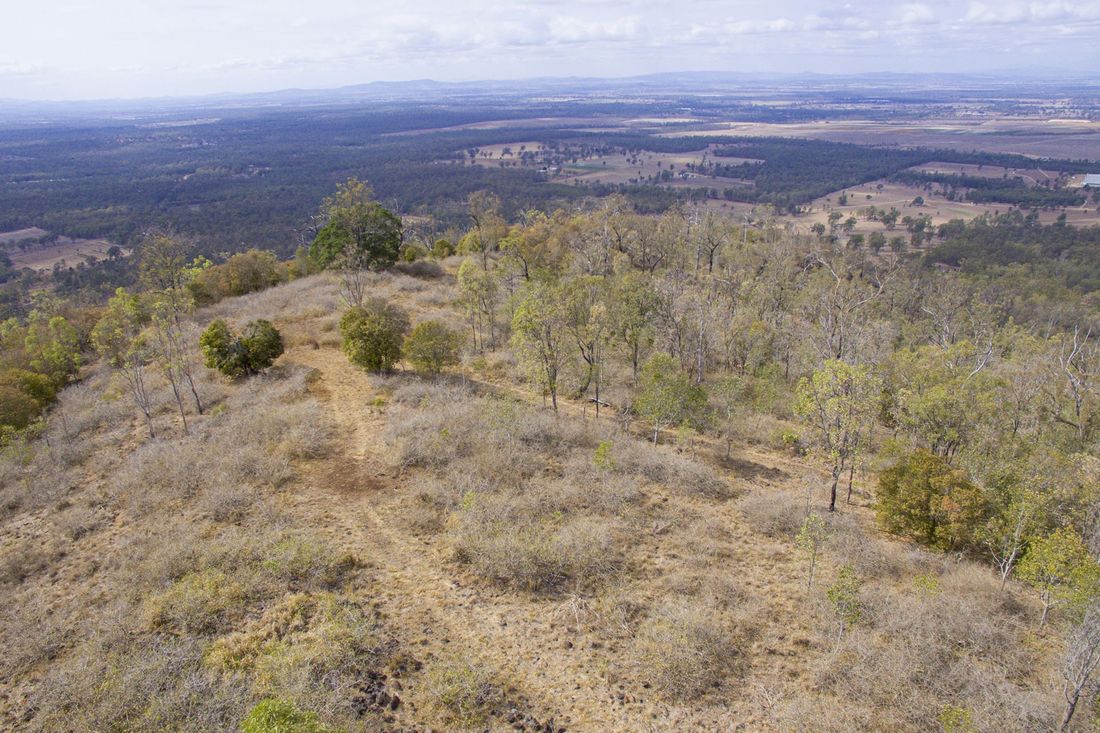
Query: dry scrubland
[{"x": 408, "y": 554}]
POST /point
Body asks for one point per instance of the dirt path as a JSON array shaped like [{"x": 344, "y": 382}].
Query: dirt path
[{"x": 356, "y": 495}]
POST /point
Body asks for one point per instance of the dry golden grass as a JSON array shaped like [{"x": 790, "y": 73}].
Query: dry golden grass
[{"x": 338, "y": 539}]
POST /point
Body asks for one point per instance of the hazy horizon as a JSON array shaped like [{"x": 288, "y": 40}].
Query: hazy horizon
[{"x": 119, "y": 49}]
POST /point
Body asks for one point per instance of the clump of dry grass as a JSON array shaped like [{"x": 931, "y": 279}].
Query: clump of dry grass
[
  {"x": 79, "y": 520},
  {"x": 942, "y": 640},
  {"x": 32, "y": 634},
  {"x": 664, "y": 465},
  {"x": 177, "y": 622},
  {"x": 201, "y": 602},
  {"x": 774, "y": 512},
  {"x": 500, "y": 544},
  {"x": 225, "y": 501},
  {"x": 423, "y": 269},
  {"x": 29, "y": 557},
  {"x": 685, "y": 649},
  {"x": 463, "y": 692},
  {"x": 248, "y": 444},
  {"x": 307, "y": 297},
  {"x": 527, "y": 499},
  {"x": 115, "y": 681},
  {"x": 313, "y": 648}
]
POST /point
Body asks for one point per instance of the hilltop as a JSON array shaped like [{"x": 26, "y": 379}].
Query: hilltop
[{"x": 399, "y": 552}]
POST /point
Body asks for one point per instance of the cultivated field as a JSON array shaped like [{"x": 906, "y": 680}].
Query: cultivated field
[
  {"x": 64, "y": 251},
  {"x": 20, "y": 235},
  {"x": 887, "y": 195},
  {"x": 1053, "y": 138},
  {"x": 644, "y": 167}
]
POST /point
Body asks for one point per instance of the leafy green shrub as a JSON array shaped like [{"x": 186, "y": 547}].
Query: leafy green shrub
[
  {"x": 244, "y": 272},
  {"x": 359, "y": 232},
  {"x": 1061, "y": 568},
  {"x": 602, "y": 457},
  {"x": 17, "y": 409},
  {"x": 36, "y": 386},
  {"x": 235, "y": 356},
  {"x": 442, "y": 248},
  {"x": 372, "y": 335},
  {"x": 413, "y": 252},
  {"x": 923, "y": 497},
  {"x": 668, "y": 397},
  {"x": 431, "y": 347},
  {"x": 281, "y": 716},
  {"x": 789, "y": 440},
  {"x": 844, "y": 595}
]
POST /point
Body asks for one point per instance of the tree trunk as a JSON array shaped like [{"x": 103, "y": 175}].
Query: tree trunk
[
  {"x": 851, "y": 475},
  {"x": 179, "y": 404},
  {"x": 149, "y": 422},
  {"x": 832, "y": 491},
  {"x": 1071, "y": 707},
  {"x": 634, "y": 362},
  {"x": 194, "y": 393}
]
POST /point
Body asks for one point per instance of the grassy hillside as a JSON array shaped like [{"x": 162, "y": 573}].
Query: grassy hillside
[{"x": 405, "y": 553}]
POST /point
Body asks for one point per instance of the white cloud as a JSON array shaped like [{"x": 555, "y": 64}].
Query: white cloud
[
  {"x": 916, "y": 14},
  {"x": 80, "y": 48},
  {"x": 15, "y": 68},
  {"x": 576, "y": 30},
  {"x": 753, "y": 27},
  {"x": 1016, "y": 12}
]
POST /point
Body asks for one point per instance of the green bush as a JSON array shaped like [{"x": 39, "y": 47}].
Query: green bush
[
  {"x": 442, "y": 249},
  {"x": 668, "y": 397},
  {"x": 359, "y": 233},
  {"x": 17, "y": 409},
  {"x": 412, "y": 252},
  {"x": 280, "y": 716},
  {"x": 923, "y": 497},
  {"x": 254, "y": 350},
  {"x": 431, "y": 347},
  {"x": 372, "y": 335},
  {"x": 36, "y": 386}
]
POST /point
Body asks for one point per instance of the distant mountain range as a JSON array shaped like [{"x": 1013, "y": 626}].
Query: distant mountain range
[{"x": 756, "y": 85}]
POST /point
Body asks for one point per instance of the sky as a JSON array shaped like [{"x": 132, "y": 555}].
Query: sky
[{"x": 96, "y": 49}]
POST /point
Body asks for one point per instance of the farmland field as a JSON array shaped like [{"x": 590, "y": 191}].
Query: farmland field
[
  {"x": 1036, "y": 136},
  {"x": 63, "y": 251}
]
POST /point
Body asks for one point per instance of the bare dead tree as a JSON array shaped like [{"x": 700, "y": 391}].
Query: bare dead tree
[
  {"x": 353, "y": 276},
  {"x": 840, "y": 305},
  {"x": 1081, "y": 662},
  {"x": 1077, "y": 359}
]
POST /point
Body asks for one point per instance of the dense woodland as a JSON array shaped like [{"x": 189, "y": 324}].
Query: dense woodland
[
  {"x": 238, "y": 178},
  {"x": 996, "y": 190}
]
